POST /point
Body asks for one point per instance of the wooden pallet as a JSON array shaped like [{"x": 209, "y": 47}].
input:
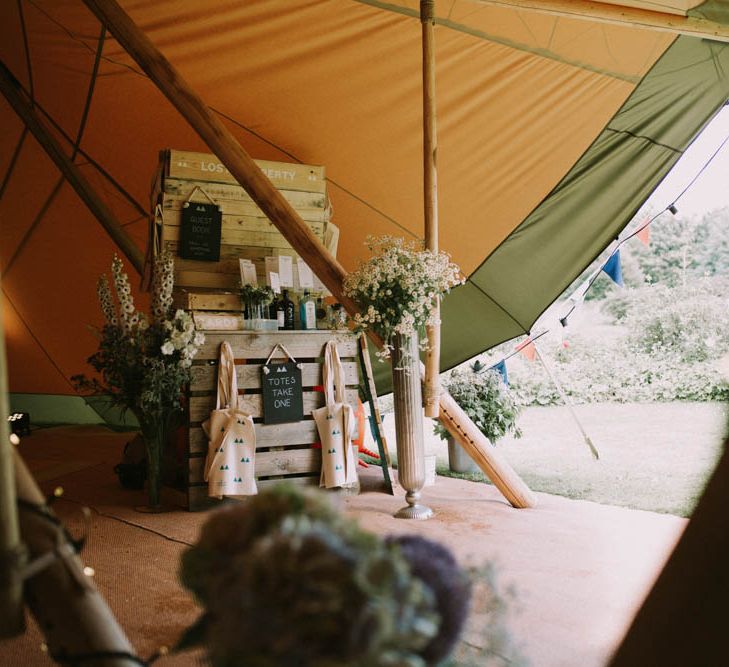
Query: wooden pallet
[
  {"x": 246, "y": 232},
  {"x": 283, "y": 451}
]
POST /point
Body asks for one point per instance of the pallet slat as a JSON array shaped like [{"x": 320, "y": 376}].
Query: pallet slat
[
  {"x": 267, "y": 435},
  {"x": 310, "y": 206},
  {"x": 256, "y": 345},
  {"x": 200, "y": 406},
  {"x": 204, "y": 378},
  {"x": 207, "y": 167},
  {"x": 288, "y": 462}
]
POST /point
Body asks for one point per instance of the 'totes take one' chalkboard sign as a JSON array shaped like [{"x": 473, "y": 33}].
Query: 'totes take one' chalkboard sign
[
  {"x": 200, "y": 226},
  {"x": 283, "y": 400}
]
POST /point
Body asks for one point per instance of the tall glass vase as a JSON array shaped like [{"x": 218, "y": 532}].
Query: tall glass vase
[
  {"x": 409, "y": 424},
  {"x": 155, "y": 429}
]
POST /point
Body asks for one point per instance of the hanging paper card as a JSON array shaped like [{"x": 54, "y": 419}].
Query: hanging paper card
[
  {"x": 306, "y": 277},
  {"x": 200, "y": 226},
  {"x": 286, "y": 270},
  {"x": 247, "y": 272}
]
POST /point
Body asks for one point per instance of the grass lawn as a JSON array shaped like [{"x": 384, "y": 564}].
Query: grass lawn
[{"x": 653, "y": 456}]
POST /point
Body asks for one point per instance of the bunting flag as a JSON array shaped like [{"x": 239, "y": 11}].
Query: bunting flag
[
  {"x": 644, "y": 235},
  {"x": 613, "y": 268},
  {"x": 500, "y": 368},
  {"x": 527, "y": 349}
]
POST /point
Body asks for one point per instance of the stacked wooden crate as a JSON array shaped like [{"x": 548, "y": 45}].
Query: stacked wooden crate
[
  {"x": 283, "y": 451},
  {"x": 246, "y": 231}
]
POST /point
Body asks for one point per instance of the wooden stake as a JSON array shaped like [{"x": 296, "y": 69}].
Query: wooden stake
[
  {"x": 70, "y": 612},
  {"x": 431, "y": 386},
  {"x": 15, "y": 95},
  {"x": 246, "y": 172},
  {"x": 224, "y": 145},
  {"x": 486, "y": 456},
  {"x": 12, "y": 553}
]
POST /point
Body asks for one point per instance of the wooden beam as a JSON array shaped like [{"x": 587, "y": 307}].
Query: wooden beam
[
  {"x": 258, "y": 186},
  {"x": 224, "y": 145},
  {"x": 70, "y": 612},
  {"x": 12, "y": 552},
  {"x": 431, "y": 385},
  {"x": 631, "y": 17},
  {"x": 486, "y": 456},
  {"x": 18, "y": 100}
]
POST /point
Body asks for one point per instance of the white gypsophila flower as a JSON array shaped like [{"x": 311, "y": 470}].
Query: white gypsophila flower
[{"x": 398, "y": 287}]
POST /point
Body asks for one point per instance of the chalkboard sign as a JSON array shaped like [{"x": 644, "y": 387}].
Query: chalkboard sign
[
  {"x": 200, "y": 226},
  {"x": 283, "y": 400}
]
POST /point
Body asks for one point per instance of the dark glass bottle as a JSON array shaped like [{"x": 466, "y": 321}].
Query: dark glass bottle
[
  {"x": 289, "y": 310},
  {"x": 279, "y": 312}
]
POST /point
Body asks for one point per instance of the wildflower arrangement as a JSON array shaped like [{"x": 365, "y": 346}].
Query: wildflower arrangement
[
  {"x": 398, "y": 286},
  {"x": 143, "y": 362},
  {"x": 284, "y": 579}
]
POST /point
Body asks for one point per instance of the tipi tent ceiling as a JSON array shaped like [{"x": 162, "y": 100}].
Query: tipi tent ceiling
[{"x": 552, "y": 131}]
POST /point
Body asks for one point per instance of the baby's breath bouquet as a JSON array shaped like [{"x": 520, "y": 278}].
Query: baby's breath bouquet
[
  {"x": 144, "y": 362},
  {"x": 397, "y": 287}
]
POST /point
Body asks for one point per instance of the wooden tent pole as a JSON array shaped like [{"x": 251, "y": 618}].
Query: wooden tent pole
[
  {"x": 17, "y": 99},
  {"x": 224, "y": 145},
  {"x": 12, "y": 552},
  {"x": 431, "y": 386},
  {"x": 617, "y": 14},
  {"x": 257, "y": 184},
  {"x": 70, "y": 612}
]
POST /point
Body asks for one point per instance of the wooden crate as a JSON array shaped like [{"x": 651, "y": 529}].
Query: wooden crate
[
  {"x": 207, "y": 167},
  {"x": 283, "y": 451},
  {"x": 246, "y": 232}
]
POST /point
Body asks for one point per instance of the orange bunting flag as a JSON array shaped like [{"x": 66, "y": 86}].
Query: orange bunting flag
[
  {"x": 645, "y": 235},
  {"x": 527, "y": 349}
]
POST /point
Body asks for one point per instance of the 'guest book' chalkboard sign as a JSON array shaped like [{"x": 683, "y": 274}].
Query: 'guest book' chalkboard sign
[{"x": 200, "y": 226}]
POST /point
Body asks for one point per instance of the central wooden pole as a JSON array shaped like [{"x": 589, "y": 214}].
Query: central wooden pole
[{"x": 431, "y": 386}]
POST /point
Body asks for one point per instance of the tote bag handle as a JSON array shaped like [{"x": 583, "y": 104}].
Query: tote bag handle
[
  {"x": 227, "y": 380},
  {"x": 333, "y": 375}
]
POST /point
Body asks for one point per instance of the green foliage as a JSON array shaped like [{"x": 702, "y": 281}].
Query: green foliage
[
  {"x": 486, "y": 400},
  {"x": 691, "y": 326},
  {"x": 286, "y": 580},
  {"x": 617, "y": 371}
]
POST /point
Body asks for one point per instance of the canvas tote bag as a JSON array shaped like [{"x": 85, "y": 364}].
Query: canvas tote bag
[
  {"x": 335, "y": 423},
  {"x": 230, "y": 463}
]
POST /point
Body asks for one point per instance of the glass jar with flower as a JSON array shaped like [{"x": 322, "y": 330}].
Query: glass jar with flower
[
  {"x": 255, "y": 302},
  {"x": 144, "y": 362},
  {"x": 397, "y": 290}
]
